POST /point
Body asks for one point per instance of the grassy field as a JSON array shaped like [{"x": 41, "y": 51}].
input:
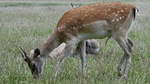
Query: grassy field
[{"x": 30, "y": 26}]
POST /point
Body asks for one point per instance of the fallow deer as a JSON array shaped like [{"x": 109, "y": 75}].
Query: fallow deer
[{"x": 94, "y": 21}]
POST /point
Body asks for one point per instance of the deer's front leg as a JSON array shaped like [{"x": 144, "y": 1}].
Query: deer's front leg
[
  {"x": 68, "y": 51},
  {"x": 82, "y": 49}
]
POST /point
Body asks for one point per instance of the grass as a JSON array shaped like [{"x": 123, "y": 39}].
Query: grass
[
  {"x": 14, "y": 4},
  {"x": 29, "y": 27},
  {"x": 52, "y": 3}
]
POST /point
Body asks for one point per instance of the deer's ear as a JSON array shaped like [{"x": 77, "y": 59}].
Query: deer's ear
[{"x": 36, "y": 52}]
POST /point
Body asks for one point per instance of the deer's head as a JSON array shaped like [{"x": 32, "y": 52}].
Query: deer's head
[{"x": 34, "y": 61}]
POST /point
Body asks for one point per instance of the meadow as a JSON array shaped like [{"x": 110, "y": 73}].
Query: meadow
[{"x": 30, "y": 25}]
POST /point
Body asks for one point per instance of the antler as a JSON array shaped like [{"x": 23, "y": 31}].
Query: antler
[{"x": 24, "y": 55}]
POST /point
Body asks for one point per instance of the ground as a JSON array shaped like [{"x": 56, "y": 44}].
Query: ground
[{"x": 29, "y": 25}]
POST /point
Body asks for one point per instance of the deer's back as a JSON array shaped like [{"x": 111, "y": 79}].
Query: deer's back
[{"x": 111, "y": 12}]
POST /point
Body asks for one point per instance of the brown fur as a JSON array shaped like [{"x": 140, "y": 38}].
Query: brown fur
[{"x": 75, "y": 18}]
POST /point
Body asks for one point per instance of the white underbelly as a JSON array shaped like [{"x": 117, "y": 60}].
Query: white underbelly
[{"x": 93, "y": 35}]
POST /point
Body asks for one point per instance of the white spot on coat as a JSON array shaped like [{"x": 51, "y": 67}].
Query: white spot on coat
[
  {"x": 117, "y": 20},
  {"x": 120, "y": 18},
  {"x": 122, "y": 11},
  {"x": 113, "y": 20}
]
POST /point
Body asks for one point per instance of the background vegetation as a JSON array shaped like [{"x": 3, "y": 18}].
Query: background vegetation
[{"x": 28, "y": 24}]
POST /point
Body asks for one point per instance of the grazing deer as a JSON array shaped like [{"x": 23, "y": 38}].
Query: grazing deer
[{"x": 96, "y": 21}]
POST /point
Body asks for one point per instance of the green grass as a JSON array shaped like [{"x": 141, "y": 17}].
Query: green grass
[{"x": 29, "y": 27}]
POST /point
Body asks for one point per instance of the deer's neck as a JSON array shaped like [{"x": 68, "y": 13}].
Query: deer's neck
[{"x": 49, "y": 45}]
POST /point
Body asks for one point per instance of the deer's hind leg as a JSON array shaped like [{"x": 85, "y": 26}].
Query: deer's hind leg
[
  {"x": 126, "y": 46},
  {"x": 128, "y": 57}
]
